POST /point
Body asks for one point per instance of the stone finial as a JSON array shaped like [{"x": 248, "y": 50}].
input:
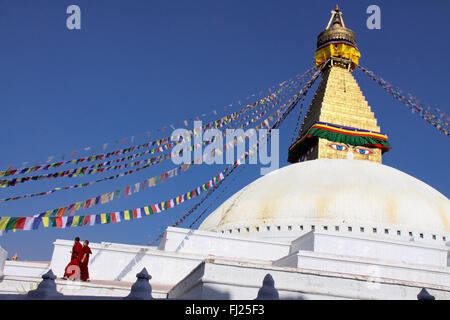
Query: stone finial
[
  {"x": 424, "y": 295},
  {"x": 268, "y": 291},
  {"x": 46, "y": 290},
  {"x": 141, "y": 289}
]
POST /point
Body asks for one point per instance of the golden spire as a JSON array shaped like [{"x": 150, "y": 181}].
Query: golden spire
[{"x": 339, "y": 123}]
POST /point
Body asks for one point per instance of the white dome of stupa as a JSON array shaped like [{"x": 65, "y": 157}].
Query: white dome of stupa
[{"x": 335, "y": 195}]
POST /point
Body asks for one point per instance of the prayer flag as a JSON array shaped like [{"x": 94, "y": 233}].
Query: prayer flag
[
  {"x": 58, "y": 221},
  {"x": 36, "y": 223},
  {"x": 11, "y": 223},
  {"x": 69, "y": 221},
  {"x": 86, "y": 220},
  {"x": 72, "y": 209},
  {"x": 61, "y": 211},
  {"x": 64, "y": 222},
  {"x": 4, "y": 223},
  {"x": 113, "y": 218},
  {"x": 155, "y": 208},
  {"x": 29, "y": 223},
  {"x": 127, "y": 191}
]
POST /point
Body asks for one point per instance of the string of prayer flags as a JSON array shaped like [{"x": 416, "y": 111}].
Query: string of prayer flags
[
  {"x": 56, "y": 218},
  {"x": 439, "y": 121},
  {"x": 98, "y": 168},
  {"x": 11, "y": 171},
  {"x": 55, "y": 221},
  {"x": 61, "y": 221},
  {"x": 153, "y": 161}
]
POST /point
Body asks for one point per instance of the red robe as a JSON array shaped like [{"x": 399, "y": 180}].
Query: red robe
[
  {"x": 84, "y": 265},
  {"x": 73, "y": 268}
]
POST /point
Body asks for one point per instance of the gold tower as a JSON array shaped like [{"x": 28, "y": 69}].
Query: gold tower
[{"x": 339, "y": 123}]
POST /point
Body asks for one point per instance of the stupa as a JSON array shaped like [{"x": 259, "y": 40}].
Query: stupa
[{"x": 340, "y": 183}]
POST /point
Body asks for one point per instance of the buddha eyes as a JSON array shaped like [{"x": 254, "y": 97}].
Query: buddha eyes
[
  {"x": 338, "y": 147},
  {"x": 363, "y": 151}
]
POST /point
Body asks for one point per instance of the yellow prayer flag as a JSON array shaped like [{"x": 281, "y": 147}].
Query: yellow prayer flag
[
  {"x": 45, "y": 221},
  {"x": 4, "y": 222},
  {"x": 103, "y": 218},
  {"x": 126, "y": 215},
  {"x": 75, "y": 221},
  {"x": 147, "y": 211}
]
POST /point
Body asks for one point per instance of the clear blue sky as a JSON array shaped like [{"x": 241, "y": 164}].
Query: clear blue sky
[{"x": 136, "y": 66}]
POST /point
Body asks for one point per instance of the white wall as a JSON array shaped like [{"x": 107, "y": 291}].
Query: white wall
[
  {"x": 181, "y": 250},
  {"x": 26, "y": 268},
  {"x": 119, "y": 262},
  {"x": 220, "y": 279},
  {"x": 3, "y": 255},
  {"x": 222, "y": 245},
  {"x": 372, "y": 269},
  {"x": 375, "y": 248}
]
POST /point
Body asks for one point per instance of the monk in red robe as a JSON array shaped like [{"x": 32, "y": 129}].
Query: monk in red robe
[
  {"x": 84, "y": 260},
  {"x": 72, "y": 270}
]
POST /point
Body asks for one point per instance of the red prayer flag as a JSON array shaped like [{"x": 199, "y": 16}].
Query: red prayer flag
[
  {"x": 127, "y": 191},
  {"x": 86, "y": 220},
  {"x": 20, "y": 223},
  {"x": 60, "y": 212},
  {"x": 58, "y": 221}
]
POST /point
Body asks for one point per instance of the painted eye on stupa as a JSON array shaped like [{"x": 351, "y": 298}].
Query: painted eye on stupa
[
  {"x": 338, "y": 147},
  {"x": 363, "y": 151}
]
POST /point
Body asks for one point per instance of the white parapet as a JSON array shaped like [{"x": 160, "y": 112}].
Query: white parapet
[
  {"x": 26, "y": 268},
  {"x": 121, "y": 262},
  {"x": 181, "y": 250},
  {"x": 386, "y": 250},
  {"x": 222, "y": 245},
  {"x": 225, "y": 279}
]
